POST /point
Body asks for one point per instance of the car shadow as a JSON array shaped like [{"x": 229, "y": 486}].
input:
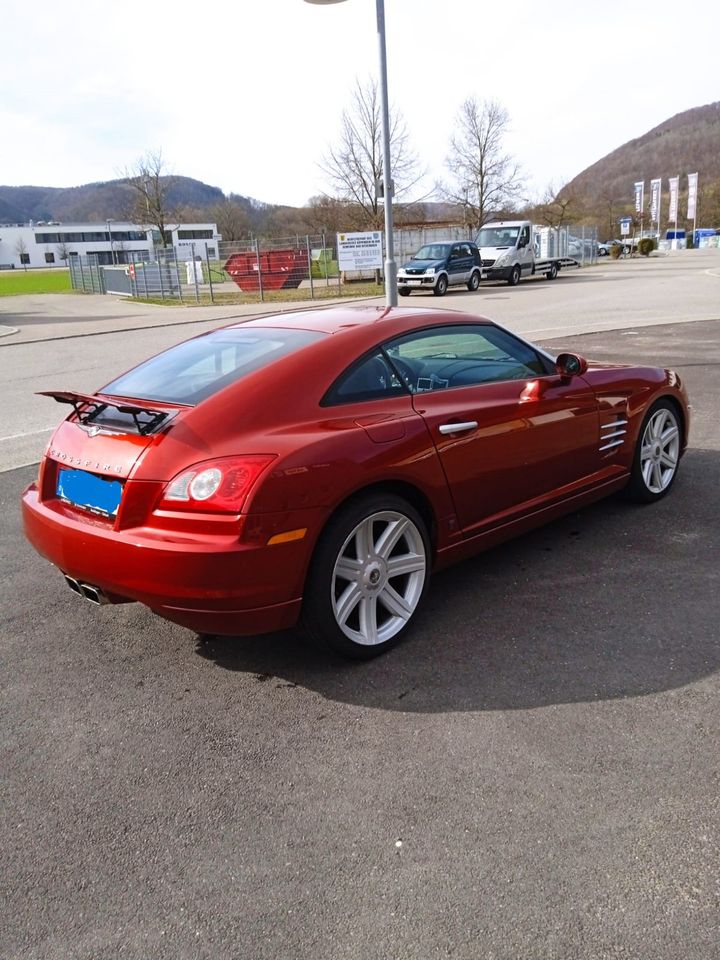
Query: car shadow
[{"x": 602, "y": 604}]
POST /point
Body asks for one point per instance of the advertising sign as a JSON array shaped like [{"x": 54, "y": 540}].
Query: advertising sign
[
  {"x": 360, "y": 251},
  {"x": 640, "y": 196},
  {"x": 655, "y": 200},
  {"x": 673, "y": 212},
  {"x": 692, "y": 195},
  {"x": 625, "y": 226}
]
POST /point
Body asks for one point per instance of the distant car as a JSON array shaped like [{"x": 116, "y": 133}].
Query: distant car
[
  {"x": 440, "y": 265},
  {"x": 603, "y": 249},
  {"x": 625, "y": 245},
  {"x": 317, "y": 466}
]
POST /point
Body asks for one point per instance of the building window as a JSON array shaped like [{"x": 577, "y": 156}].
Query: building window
[
  {"x": 49, "y": 258},
  {"x": 25, "y": 258},
  {"x": 195, "y": 234}
]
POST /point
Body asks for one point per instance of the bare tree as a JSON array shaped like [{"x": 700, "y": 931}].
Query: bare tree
[
  {"x": 326, "y": 215},
  {"x": 63, "y": 251},
  {"x": 486, "y": 179},
  {"x": 232, "y": 220},
  {"x": 21, "y": 250},
  {"x": 151, "y": 183},
  {"x": 558, "y": 208},
  {"x": 354, "y": 165}
]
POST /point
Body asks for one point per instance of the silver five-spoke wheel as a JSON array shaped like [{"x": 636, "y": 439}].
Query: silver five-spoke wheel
[
  {"x": 378, "y": 578},
  {"x": 368, "y": 575},
  {"x": 660, "y": 450}
]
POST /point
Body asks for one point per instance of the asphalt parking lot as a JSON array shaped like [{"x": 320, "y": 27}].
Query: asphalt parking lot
[{"x": 533, "y": 774}]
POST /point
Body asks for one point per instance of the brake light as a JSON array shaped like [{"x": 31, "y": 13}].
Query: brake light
[{"x": 216, "y": 486}]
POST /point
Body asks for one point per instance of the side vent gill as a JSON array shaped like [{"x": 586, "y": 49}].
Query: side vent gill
[{"x": 612, "y": 434}]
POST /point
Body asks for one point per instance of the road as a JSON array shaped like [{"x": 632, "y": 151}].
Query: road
[
  {"x": 533, "y": 774},
  {"x": 56, "y": 343}
]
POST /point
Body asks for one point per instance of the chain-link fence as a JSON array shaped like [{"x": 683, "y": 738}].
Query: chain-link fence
[
  {"x": 290, "y": 268},
  {"x": 286, "y": 268}
]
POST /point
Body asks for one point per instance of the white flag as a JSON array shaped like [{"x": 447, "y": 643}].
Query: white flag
[
  {"x": 673, "y": 211},
  {"x": 639, "y": 196},
  {"x": 655, "y": 200},
  {"x": 692, "y": 195}
]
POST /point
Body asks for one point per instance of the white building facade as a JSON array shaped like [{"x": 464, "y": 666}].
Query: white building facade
[{"x": 50, "y": 244}]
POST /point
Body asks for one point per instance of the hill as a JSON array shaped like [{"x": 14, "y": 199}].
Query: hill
[
  {"x": 686, "y": 143},
  {"x": 97, "y": 201}
]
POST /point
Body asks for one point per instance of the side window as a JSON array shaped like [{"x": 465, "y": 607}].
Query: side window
[
  {"x": 525, "y": 235},
  {"x": 466, "y": 251},
  {"x": 455, "y": 253},
  {"x": 461, "y": 356},
  {"x": 369, "y": 379}
]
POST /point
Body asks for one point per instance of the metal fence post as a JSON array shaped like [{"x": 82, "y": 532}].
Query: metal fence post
[
  {"x": 178, "y": 280},
  {"x": 260, "y": 283},
  {"x": 194, "y": 273},
  {"x": 207, "y": 263},
  {"x": 160, "y": 276},
  {"x": 309, "y": 263}
]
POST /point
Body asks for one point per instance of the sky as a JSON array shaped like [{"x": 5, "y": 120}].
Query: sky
[{"x": 248, "y": 96}]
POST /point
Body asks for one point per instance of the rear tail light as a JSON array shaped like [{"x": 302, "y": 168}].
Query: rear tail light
[{"x": 214, "y": 486}]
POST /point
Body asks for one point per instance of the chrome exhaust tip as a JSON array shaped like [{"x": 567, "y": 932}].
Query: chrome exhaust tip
[
  {"x": 73, "y": 584},
  {"x": 87, "y": 590}
]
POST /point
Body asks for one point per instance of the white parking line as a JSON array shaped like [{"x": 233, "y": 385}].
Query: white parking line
[{"x": 30, "y": 433}]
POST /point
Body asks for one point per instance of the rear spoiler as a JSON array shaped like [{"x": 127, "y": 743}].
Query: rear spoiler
[{"x": 147, "y": 417}]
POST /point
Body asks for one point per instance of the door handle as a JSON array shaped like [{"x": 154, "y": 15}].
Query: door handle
[{"x": 446, "y": 428}]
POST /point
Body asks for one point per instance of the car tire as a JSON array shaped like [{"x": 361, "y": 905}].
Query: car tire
[
  {"x": 514, "y": 278},
  {"x": 354, "y": 604},
  {"x": 474, "y": 281},
  {"x": 552, "y": 272},
  {"x": 441, "y": 285},
  {"x": 404, "y": 291},
  {"x": 657, "y": 454}
]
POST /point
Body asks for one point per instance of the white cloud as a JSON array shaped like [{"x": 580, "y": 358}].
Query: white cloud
[{"x": 248, "y": 96}]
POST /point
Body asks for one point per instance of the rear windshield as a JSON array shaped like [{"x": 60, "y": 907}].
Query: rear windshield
[{"x": 194, "y": 370}]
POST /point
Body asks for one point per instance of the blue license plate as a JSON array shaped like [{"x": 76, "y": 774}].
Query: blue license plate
[{"x": 85, "y": 490}]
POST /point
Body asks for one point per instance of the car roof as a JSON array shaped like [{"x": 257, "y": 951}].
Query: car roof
[{"x": 346, "y": 317}]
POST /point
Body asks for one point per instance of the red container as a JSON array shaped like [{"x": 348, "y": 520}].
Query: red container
[{"x": 281, "y": 269}]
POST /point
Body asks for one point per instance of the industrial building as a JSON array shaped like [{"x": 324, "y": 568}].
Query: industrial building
[{"x": 50, "y": 243}]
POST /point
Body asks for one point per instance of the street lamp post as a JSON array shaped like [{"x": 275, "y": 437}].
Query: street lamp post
[
  {"x": 391, "y": 292},
  {"x": 112, "y": 249}
]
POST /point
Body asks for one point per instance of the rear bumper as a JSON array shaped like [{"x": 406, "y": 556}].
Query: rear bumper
[{"x": 209, "y": 583}]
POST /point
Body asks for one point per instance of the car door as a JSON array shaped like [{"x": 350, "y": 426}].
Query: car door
[
  {"x": 525, "y": 251},
  {"x": 511, "y": 434},
  {"x": 456, "y": 265}
]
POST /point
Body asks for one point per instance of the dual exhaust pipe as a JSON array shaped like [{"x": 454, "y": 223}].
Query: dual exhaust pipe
[{"x": 87, "y": 590}]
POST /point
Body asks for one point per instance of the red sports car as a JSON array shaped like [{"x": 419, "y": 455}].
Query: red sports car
[{"x": 316, "y": 467}]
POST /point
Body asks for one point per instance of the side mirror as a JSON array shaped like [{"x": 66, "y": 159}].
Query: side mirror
[
  {"x": 570, "y": 365},
  {"x": 522, "y": 242}
]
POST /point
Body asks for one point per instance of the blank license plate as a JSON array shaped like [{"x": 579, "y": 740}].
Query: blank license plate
[{"x": 85, "y": 490}]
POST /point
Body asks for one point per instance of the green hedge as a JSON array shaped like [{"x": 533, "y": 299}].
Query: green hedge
[{"x": 646, "y": 246}]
